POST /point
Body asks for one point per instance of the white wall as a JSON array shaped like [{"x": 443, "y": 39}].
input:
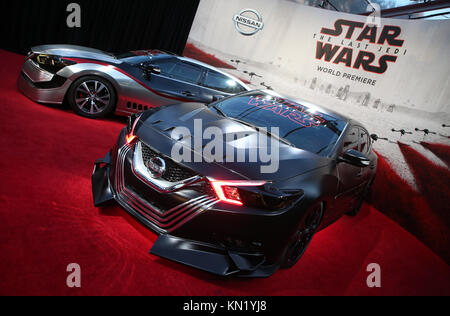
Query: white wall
[{"x": 419, "y": 79}]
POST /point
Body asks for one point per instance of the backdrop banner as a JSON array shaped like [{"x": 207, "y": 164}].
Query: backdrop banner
[{"x": 304, "y": 51}]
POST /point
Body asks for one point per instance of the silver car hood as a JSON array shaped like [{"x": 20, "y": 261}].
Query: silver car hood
[{"x": 75, "y": 52}]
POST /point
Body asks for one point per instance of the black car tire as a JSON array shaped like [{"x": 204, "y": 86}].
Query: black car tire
[
  {"x": 86, "y": 101},
  {"x": 302, "y": 238}
]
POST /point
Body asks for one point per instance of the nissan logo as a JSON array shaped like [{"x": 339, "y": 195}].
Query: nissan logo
[
  {"x": 248, "y": 22},
  {"x": 157, "y": 167}
]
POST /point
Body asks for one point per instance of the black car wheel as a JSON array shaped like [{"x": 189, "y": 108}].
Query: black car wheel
[
  {"x": 304, "y": 235},
  {"x": 92, "y": 97}
]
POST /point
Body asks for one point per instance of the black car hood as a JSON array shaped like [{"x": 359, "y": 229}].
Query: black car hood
[{"x": 155, "y": 129}]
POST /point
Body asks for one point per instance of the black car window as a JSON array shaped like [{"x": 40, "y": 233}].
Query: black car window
[
  {"x": 304, "y": 127},
  {"x": 166, "y": 66},
  {"x": 219, "y": 82},
  {"x": 186, "y": 72},
  {"x": 351, "y": 140},
  {"x": 364, "y": 141}
]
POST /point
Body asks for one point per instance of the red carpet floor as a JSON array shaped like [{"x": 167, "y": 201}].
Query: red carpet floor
[{"x": 47, "y": 221}]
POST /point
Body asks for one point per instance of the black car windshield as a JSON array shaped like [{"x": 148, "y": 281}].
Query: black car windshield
[{"x": 302, "y": 126}]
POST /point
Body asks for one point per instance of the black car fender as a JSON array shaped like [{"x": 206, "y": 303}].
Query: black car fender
[{"x": 320, "y": 186}]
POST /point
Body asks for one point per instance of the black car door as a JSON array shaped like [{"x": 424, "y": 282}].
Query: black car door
[
  {"x": 177, "y": 79},
  {"x": 351, "y": 178}
]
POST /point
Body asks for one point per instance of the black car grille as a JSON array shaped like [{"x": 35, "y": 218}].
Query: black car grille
[
  {"x": 174, "y": 172},
  {"x": 205, "y": 188},
  {"x": 160, "y": 220}
]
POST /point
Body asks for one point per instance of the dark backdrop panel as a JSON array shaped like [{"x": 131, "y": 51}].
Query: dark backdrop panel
[{"x": 110, "y": 25}]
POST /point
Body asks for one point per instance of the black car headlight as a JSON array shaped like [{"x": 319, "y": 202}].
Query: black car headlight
[
  {"x": 51, "y": 63},
  {"x": 257, "y": 194},
  {"x": 131, "y": 127}
]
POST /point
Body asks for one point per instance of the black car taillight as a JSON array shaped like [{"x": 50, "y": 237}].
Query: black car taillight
[{"x": 51, "y": 63}]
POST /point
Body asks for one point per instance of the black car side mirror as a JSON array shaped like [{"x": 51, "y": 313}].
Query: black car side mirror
[
  {"x": 154, "y": 69},
  {"x": 355, "y": 158}
]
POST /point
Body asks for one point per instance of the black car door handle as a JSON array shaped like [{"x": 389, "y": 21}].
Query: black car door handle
[
  {"x": 359, "y": 175},
  {"x": 188, "y": 94}
]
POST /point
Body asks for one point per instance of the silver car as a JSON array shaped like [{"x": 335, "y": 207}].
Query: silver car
[{"x": 96, "y": 83}]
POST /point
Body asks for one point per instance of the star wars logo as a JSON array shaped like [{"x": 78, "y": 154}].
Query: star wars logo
[{"x": 360, "y": 46}]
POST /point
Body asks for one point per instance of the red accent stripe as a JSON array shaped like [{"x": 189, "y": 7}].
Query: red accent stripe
[{"x": 87, "y": 61}]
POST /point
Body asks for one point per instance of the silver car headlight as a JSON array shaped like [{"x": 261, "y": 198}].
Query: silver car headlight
[{"x": 51, "y": 63}]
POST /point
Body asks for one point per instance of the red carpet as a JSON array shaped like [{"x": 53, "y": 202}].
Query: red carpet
[{"x": 47, "y": 221}]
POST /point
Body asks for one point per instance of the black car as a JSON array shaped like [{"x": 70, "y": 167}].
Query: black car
[{"x": 231, "y": 218}]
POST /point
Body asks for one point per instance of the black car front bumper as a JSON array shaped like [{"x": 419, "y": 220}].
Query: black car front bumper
[
  {"x": 212, "y": 258},
  {"x": 200, "y": 255}
]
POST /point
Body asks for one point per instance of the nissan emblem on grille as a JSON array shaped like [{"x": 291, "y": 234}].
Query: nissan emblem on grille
[{"x": 157, "y": 167}]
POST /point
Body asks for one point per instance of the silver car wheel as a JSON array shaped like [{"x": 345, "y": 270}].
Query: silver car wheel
[{"x": 92, "y": 97}]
